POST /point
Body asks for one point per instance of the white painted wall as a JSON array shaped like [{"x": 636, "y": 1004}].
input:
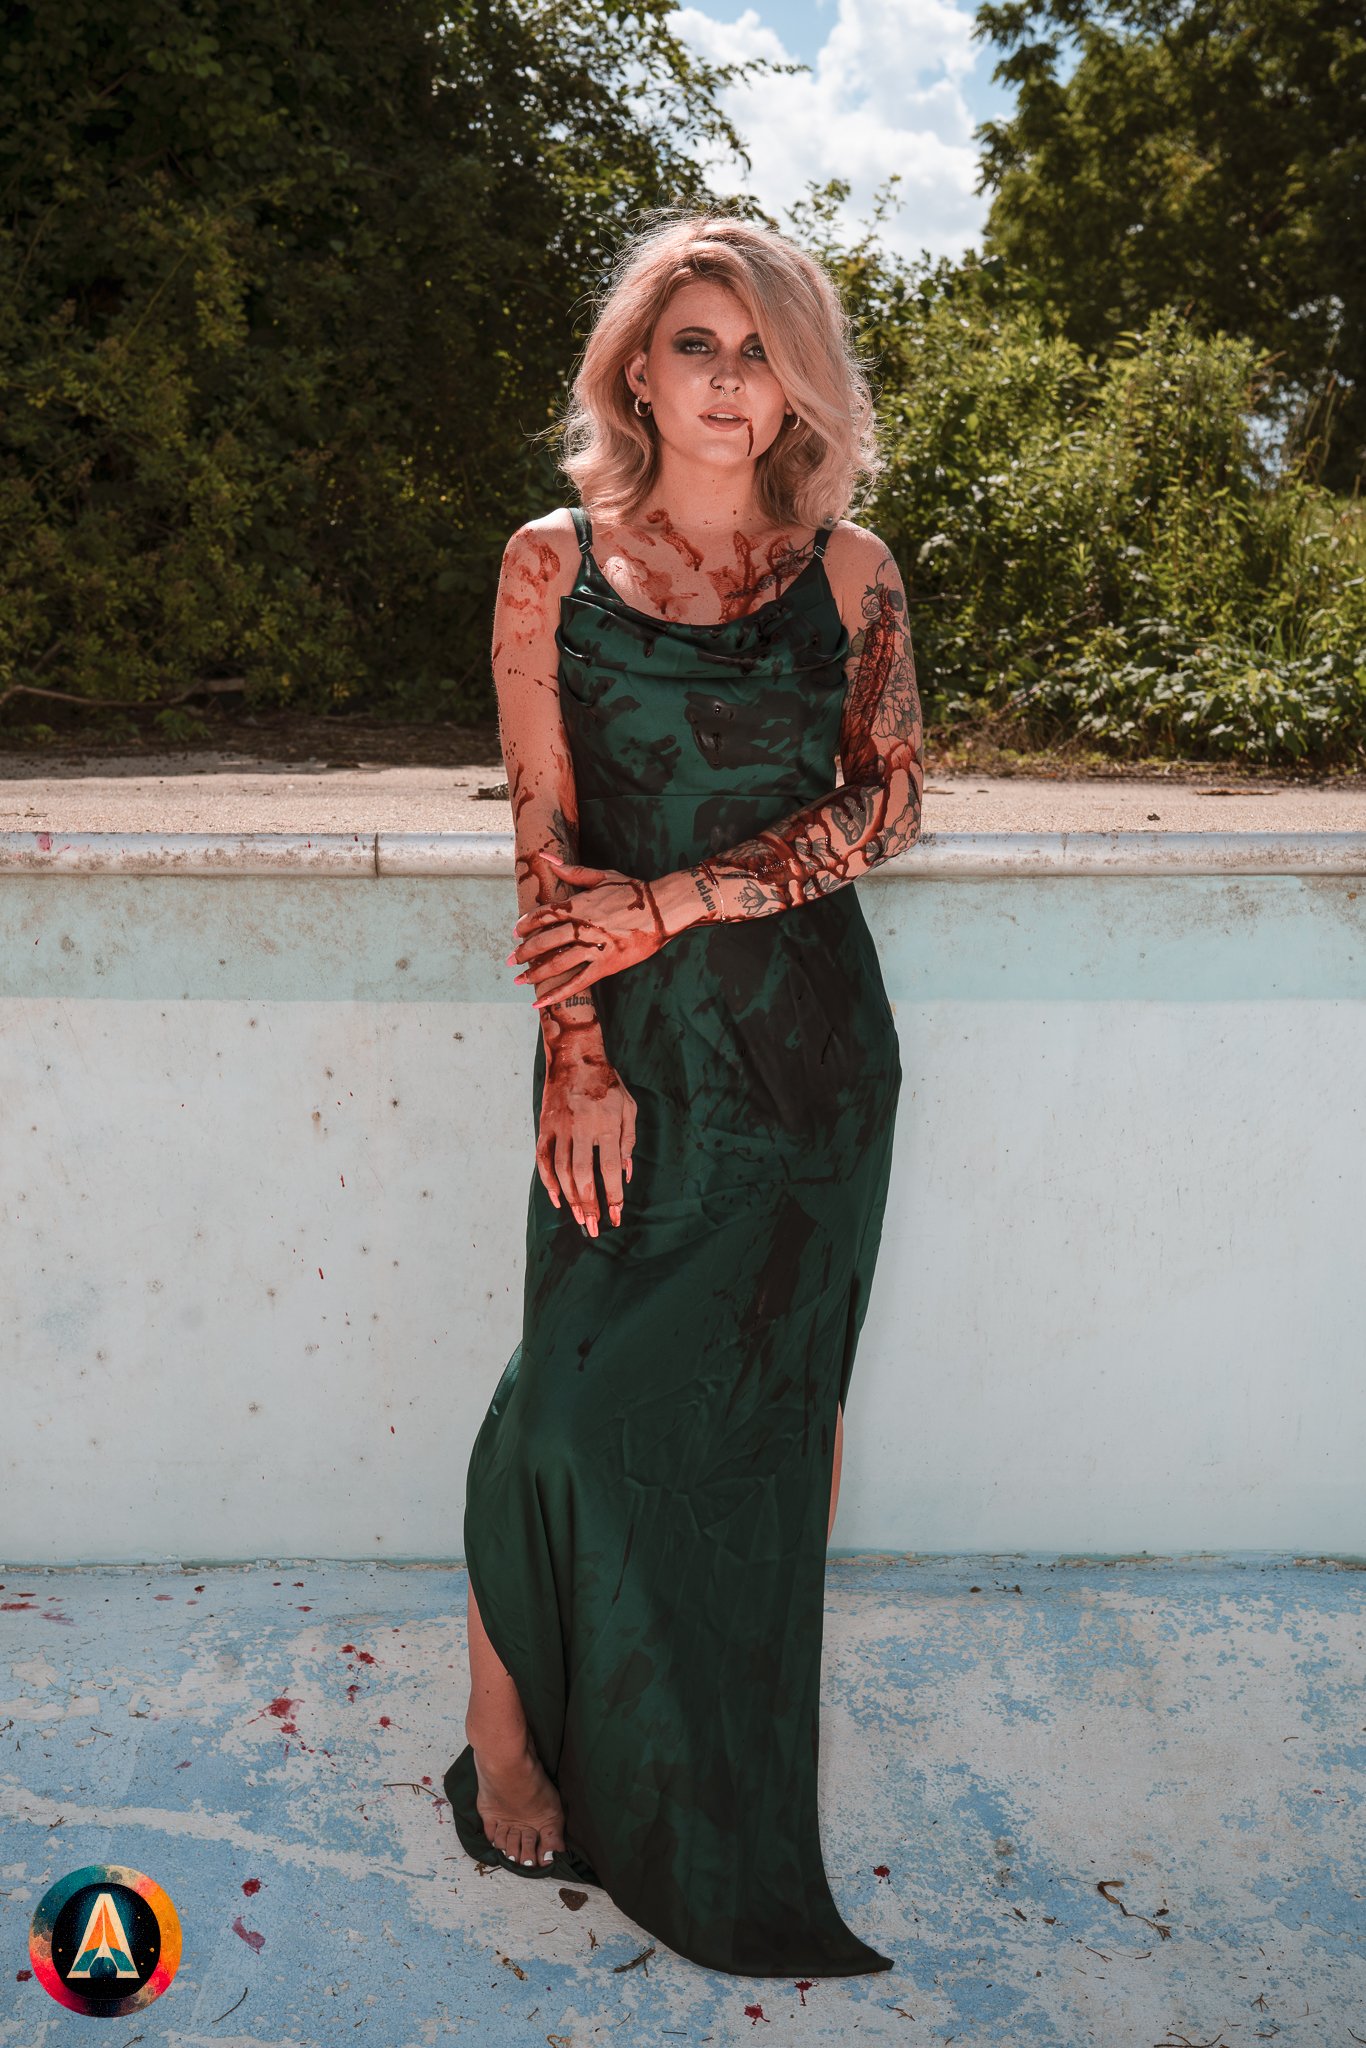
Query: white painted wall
[{"x": 267, "y": 1147}]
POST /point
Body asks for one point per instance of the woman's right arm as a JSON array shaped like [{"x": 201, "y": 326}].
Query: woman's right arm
[{"x": 585, "y": 1108}]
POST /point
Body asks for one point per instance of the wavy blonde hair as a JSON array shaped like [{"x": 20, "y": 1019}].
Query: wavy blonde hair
[{"x": 812, "y": 471}]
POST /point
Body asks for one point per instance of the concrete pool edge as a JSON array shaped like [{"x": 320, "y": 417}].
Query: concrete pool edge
[{"x": 938, "y": 856}]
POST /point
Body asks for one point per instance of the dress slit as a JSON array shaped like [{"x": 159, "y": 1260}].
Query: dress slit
[{"x": 461, "y": 1781}]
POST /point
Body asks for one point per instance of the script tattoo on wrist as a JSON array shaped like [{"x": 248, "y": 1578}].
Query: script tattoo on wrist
[
  {"x": 708, "y": 888},
  {"x": 565, "y": 1034}
]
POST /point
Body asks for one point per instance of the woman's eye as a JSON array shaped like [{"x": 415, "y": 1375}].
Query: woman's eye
[{"x": 695, "y": 341}]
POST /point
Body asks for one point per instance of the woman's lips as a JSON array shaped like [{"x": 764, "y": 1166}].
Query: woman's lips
[{"x": 725, "y": 425}]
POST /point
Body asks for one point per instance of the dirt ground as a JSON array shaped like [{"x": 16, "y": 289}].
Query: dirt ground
[
  {"x": 273, "y": 736},
  {"x": 321, "y": 742}
]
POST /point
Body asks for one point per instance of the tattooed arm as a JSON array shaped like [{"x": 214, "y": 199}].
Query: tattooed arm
[
  {"x": 584, "y": 1105},
  {"x": 616, "y": 921},
  {"x": 876, "y": 812}
]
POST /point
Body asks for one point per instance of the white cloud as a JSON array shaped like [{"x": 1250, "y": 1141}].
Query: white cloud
[{"x": 885, "y": 94}]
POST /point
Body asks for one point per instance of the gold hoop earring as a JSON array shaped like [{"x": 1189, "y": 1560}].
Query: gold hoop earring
[
  {"x": 642, "y": 410},
  {"x": 795, "y": 418}
]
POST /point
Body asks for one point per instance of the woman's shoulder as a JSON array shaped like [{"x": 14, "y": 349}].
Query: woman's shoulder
[
  {"x": 858, "y": 560},
  {"x": 556, "y": 528},
  {"x": 546, "y": 551},
  {"x": 858, "y": 545}
]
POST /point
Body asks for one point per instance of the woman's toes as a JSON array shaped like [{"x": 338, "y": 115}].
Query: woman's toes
[{"x": 523, "y": 1785}]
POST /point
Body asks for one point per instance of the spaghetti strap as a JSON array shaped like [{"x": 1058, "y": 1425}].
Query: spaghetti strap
[{"x": 822, "y": 537}]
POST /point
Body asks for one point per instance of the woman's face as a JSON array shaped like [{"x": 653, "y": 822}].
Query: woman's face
[{"x": 704, "y": 358}]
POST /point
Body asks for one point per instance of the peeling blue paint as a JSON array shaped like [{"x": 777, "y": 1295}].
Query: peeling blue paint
[{"x": 1189, "y": 1732}]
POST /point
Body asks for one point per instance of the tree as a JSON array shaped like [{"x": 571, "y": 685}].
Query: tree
[
  {"x": 1203, "y": 154},
  {"x": 287, "y": 288}
]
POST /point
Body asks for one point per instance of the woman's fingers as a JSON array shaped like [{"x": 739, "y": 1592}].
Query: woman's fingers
[
  {"x": 545, "y": 915},
  {"x": 563, "y": 1169},
  {"x": 628, "y": 1132},
  {"x": 569, "y": 867},
  {"x": 553, "y": 974},
  {"x": 549, "y": 915},
  {"x": 568, "y": 985},
  {"x": 535, "y": 946},
  {"x": 564, "y": 961},
  {"x": 552, "y": 917},
  {"x": 585, "y": 1187},
  {"x": 609, "y": 1163},
  {"x": 556, "y": 1168},
  {"x": 545, "y": 1167},
  {"x": 539, "y": 973},
  {"x": 553, "y": 956}
]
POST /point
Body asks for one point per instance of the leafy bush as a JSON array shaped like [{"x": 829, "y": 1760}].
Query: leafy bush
[
  {"x": 1095, "y": 549},
  {"x": 285, "y": 295},
  {"x": 288, "y": 296}
]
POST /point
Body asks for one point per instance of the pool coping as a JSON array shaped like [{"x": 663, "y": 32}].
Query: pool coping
[{"x": 938, "y": 856}]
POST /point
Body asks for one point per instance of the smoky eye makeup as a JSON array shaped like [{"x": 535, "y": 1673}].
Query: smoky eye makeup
[{"x": 686, "y": 340}]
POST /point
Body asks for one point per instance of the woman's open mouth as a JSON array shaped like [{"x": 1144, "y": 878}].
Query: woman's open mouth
[{"x": 726, "y": 419}]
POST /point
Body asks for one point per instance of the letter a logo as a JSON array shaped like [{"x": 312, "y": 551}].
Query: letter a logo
[
  {"x": 104, "y": 1950},
  {"x": 104, "y": 1940}
]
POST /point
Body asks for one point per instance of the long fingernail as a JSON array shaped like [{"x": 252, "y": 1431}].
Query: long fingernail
[
  {"x": 614, "y": 1211},
  {"x": 592, "y": 1226}
]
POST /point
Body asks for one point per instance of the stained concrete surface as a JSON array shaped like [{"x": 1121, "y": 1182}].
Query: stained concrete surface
[
  {"x": 208, "y": 793},
  {"x": 1077, "y": 1801}
]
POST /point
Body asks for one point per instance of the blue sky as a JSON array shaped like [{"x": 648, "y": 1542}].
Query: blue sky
[{"x": 895, "y": 85}]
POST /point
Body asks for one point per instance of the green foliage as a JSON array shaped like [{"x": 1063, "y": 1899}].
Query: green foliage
[
  {"x": 285, "y": 295},
  {"x": 1203, "y": 154},
  {"x": 288, "y": 297},
  {"x": 1094, "y": 549}
]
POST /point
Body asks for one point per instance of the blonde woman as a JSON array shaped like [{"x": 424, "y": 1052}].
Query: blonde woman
[{"x": 650, "y": 1495}]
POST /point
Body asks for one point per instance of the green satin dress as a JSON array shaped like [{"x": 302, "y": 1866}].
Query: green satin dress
[{"x": 647, "y": 1498}]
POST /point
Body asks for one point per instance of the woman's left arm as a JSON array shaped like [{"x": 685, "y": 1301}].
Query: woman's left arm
[{"x": 872, "y": 816}]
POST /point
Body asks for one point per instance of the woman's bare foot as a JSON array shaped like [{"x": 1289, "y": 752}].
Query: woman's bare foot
[{"x": 517, "y": 1803}]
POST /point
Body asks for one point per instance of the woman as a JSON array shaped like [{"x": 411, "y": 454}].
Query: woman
[{"x": 652, "y": 1490}]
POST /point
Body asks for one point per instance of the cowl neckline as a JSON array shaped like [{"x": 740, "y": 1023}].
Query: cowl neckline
[{"x": 613, "y": 599}]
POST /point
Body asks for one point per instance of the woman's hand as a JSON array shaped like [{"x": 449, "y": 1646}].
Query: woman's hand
[
  {"x": 612, "y": 921},
  {"x": 585, "y": 1108}
]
